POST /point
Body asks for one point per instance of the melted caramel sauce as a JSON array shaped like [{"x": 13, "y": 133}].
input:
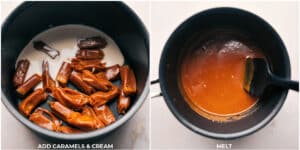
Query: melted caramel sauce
[{"x": 212, "y": 78}]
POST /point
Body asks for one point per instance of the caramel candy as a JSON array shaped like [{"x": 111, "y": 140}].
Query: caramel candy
[
  {"x": 20, "y": 74},
  {"x": 43, "y": 47},
  {"x": 31, "y": 101},
  {"x": 64, "y": 73},
  {"x": 90, "y": 54},
  {"x": 101, "y": 75},
  {"x": 128, "y": 80},
  {"x": 71, "y": 98},
  {"x": 105, "y": 114},
  {"x": 75, "y": 78},
  {"x": 48, "y": 82},
  {"x": 101, "y": 98},
  {"x": 92, "y": 64},
  {"x": 112, "y": 72},
  {"x": 92, "y": 42},
  {"x": 39, "y": 118},
  {"x": 29, "y": 84},
  {"x": 98, "y": 83},
  {"x": 90, "y": 112},
  {"x": 123, "y": 103},
  {"x": 73, "y": 118}
]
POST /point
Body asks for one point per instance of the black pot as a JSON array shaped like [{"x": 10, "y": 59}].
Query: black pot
[
  {"x": 114, "y": 18},
  {"x": 234, "y": 20}
]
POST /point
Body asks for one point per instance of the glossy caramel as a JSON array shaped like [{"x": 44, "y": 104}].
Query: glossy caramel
[{"x": 212, "y": 76}]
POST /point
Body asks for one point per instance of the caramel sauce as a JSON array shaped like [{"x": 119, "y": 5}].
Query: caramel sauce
[{"x": 212, "y": 77}]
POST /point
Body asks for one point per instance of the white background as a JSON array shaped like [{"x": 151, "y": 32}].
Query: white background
[
  {"x": 167, "y": 132},
  {"x": 134, "y": 134}
]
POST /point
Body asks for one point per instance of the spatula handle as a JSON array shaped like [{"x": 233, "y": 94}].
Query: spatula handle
[{"x": 289, "y": 84}]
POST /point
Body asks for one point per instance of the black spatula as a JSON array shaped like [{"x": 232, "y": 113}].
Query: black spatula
[{"x": 258, "y": 76}]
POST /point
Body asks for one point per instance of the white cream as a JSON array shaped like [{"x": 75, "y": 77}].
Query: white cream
[{"x": 64, "y": 38}]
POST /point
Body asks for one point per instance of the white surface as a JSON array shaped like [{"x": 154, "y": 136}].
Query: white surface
[
  {"x": 134, "y": 134},
  {"x": 167, "y": 132}
]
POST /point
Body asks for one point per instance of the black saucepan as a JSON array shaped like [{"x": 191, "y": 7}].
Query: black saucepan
[
  {"x": 114, "y": 18},
  {"x": 232, "y": 20}
]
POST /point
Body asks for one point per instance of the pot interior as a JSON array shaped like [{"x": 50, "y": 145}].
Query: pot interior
[{"x": 214, "y": 22}]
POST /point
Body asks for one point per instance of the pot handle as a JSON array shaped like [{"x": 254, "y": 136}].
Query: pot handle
[{"x": 157, "y": 94}]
